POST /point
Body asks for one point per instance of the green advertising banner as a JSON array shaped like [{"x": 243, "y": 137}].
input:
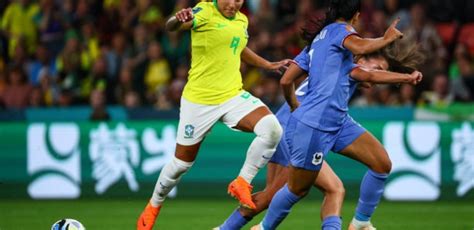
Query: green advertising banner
[{"x": 68, "y": 160}]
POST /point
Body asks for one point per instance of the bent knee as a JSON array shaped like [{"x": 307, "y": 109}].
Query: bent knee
[
  {"x": 300, "y": 192},
  {"x": 336, "y": 190},
  {"x": 269, "y": 129},
  {"x": 384, "y": 167}
]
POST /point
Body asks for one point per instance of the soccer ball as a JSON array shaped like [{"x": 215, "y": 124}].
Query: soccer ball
[{"x": 67, "y": 224}]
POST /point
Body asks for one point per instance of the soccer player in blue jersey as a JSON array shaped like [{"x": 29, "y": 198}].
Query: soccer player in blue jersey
[
  {"x": 321, "y": 122},
  {"x": 401, "y": 59}
]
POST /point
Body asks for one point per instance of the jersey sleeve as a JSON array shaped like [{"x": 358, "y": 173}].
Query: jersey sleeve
[
  {"x": 202, "y": 14},
  {"x": 302, "y": 59},
  {"x": 343, "y": 32}
]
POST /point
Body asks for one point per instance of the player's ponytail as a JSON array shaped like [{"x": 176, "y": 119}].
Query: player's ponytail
[
  {"x": 337, "y": 9},
  {"x": 403, "y": 57}
]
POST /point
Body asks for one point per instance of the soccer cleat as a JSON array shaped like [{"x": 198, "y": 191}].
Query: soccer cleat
[
  {"x": 361, "y": 225},
  {"x": 148, "y": 217},
  {"x": 216, "y": 228},
  {"x": 242, "y": 191}
]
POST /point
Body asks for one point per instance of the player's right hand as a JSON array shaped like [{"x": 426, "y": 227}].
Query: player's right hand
[
  {"x": 392, "y": 33},
  {"x": 184, "y": 15}
]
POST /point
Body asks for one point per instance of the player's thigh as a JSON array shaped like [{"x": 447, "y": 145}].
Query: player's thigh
[
  {"x": 244, "y": 111},
  {"x": 307, "y": 146},
  {"x": 327, "y": 180},
  {"x": 369, "y": 151},
  {"x": 195, "y": 121}
]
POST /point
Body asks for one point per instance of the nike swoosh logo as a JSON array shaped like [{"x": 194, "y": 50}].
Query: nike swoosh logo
[
  {"x": 143, "y": 223},
  {"x": 221, "y": 25},
  {"x": 163, "y": 186},
  {"x": 265, "y": 157}
]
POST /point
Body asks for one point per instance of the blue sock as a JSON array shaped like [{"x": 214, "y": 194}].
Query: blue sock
[
  {"x": 332, "y": 223},
  {"x": 235, "y": 221},
  {"x": 371, "y": 190},
  {"x": 279, "y": 208}
]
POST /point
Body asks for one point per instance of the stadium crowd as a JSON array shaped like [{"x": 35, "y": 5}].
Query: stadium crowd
[{"x": 79, "y": 52}]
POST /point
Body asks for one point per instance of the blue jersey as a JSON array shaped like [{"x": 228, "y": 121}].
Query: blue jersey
[
  {"x": 330, "y": 86},
  {"x": 302, "y": 60}
]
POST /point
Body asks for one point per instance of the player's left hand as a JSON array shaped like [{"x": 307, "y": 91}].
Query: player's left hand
[
  {"x": 416, "y": 77},
  {"x": 281, "y": 66},
  {"x": 294, "y": 106}
]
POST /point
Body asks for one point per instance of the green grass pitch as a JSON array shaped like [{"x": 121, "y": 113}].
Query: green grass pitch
[{"x": 205, "y": 214}]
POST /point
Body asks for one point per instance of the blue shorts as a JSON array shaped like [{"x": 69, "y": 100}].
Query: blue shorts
[
  {"x": 281, "y": 154},
  {"x": 308, "y": 146}
]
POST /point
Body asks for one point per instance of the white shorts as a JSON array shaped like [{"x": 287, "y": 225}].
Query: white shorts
[{"x": 196, "y": 120}]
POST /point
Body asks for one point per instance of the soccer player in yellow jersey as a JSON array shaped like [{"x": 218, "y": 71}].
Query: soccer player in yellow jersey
[{"x": 214, "y": 93}]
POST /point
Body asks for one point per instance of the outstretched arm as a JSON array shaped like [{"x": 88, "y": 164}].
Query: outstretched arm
[
  {"x": 250, "y": 57},
  {"x": 293, "y": 76},
  {"x": 385, "y": 77},
  {"x": 359, "y": 46},
  {"x": 183, "y": 20}
]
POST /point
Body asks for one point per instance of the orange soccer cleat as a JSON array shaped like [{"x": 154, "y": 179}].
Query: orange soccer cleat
[
  {"x": 242, "y": 191},
  {"x": 148, "y": 217}
]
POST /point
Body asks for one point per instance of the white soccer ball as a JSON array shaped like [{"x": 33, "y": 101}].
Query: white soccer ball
[{"x": 67, "y": 224}]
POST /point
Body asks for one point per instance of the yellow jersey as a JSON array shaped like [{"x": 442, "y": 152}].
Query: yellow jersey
[{"x": 217, "y": 43}]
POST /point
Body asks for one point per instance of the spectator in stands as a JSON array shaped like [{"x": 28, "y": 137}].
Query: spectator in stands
[
  {"x": 394, "y": 11},
  {"x": 162, "y": 100},
  {"x": 98, "y": 80},
  {"x": 82, "y": 12},
  {"x": 117, "y": 55},
  {"x": 49, "y": 22},
  {"x": 406, "y": 96},
  {"x": 439, "y": 96},
  {"x": 124, "y": 86},
  {"x": 128, "y": 14},
  {"x": 367, "y": 97},
  {"x": 20, "y": 57},
  {"x": 72, "y": 65},
  {"x": 268, "y": 91},
  {"x": 138, "y": 57},
  {"x": 49, "y": 88},
  {"x": 176, "y": 47},
  {"x": 42, "y": 64},
  {"x": 97, "y": 102},
  {"x": 459, "y": 73},
  {"x": 158, "y": 73},
  {"x": 423, "y": 32},
  {"x": 65, "y": 97},
  {"x": 3, "y": 81},
  {"x": 18, "y": 24},
  {"x": 150, "y": 15},
  {"x": 385, "y": 96},
  {"x": 175, "y": 89},
  {"x": 36, "y": 98},
  {"x": 132, "y": 100},
  {"x": 89, "y": 40},
  {"x": 377, "y": 26},
  {"x": 18, "y": 91}
]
